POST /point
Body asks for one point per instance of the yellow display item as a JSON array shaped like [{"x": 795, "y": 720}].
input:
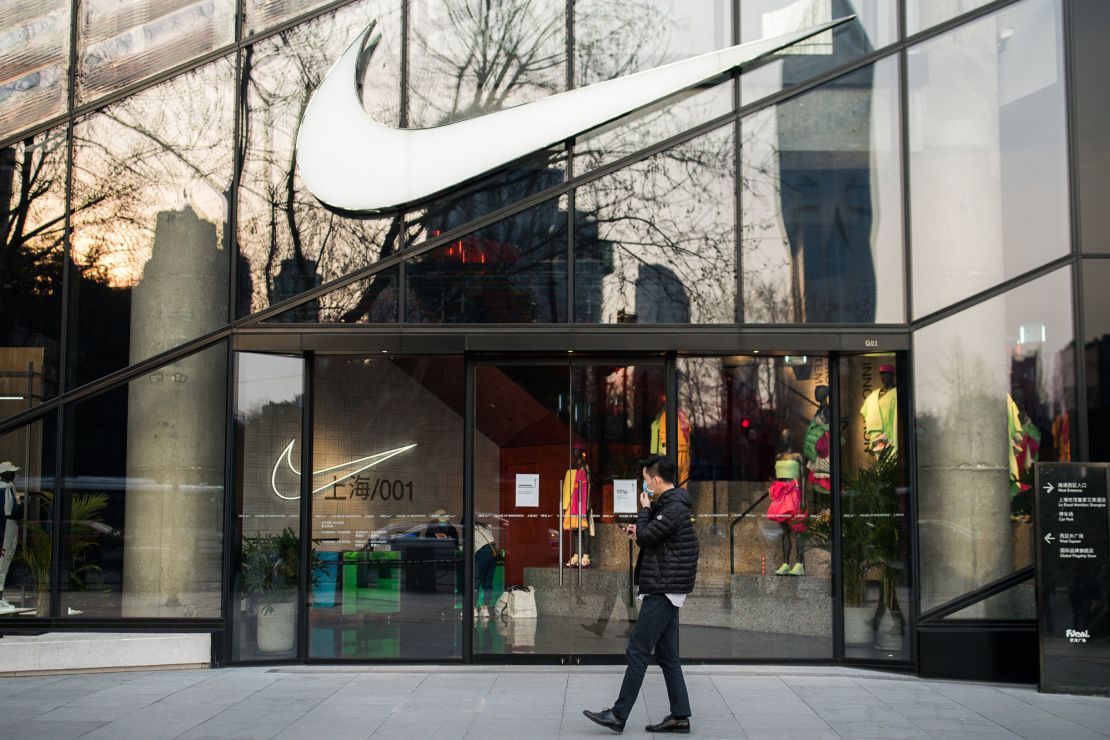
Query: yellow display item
[
  {"x": 576, "y": 499},
  {"x": 880, "y": 419},
  {"x": 659, "y": 443}
]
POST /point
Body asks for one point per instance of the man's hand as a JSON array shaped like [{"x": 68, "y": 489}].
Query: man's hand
[
  {"x": 630, "y": 530},
  {"x": 645, "y": 500}
]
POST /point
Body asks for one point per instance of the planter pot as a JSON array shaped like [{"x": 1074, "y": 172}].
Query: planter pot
[
  {"x": 858, "y": 627},
  {"x": 889, "y": 634},
  {"x": 42, "y": 603},
  {"x": 277, "y": 629}
]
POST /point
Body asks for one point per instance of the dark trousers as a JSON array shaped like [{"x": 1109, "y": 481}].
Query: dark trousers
[
  {"x": 485, "y": 563},
  {"x": 656, "y": 631}
]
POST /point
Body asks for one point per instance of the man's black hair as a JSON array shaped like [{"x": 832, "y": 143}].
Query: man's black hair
[{"x": 660, "y": 466}]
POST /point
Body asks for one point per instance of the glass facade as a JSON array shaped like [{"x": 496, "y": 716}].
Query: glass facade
[
  {"x": 269, "y": 406},
  {"x": 656, "y": 241},
  {"x": 288, "y": 243},
  {"x": 820, "y": 205},
  {"x": 995, "y": 393},
  {"x": 388, "y": 535},
  {"x": 988, "y": 163},
  {"x": 1090, "y": 23},
  {"x": 142, "y": 494},
  {"x": 1096, "y": 346},
  {"x": 26, "y": 564},
  {"x": 857, "y": 285},
  {"x": 762, "y": 499},
  {"x": 873, "y": 27},
  {"x": 149, "y": 242},
  {"x": 34, "y": 47},
  {"x": 33, "y": 182}
]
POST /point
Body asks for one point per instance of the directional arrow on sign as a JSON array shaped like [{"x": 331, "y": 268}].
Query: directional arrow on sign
[
  {"x": 1049, "y": 488},
  {"x": 1048, "y": 538}
]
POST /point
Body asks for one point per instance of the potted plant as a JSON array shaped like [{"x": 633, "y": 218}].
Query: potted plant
[
  {"x": 269, "y": 568},
  {"x": 888, "y": 548},
  {"x": 85, "y": 510},
  {"x": 869, "y": 541}
]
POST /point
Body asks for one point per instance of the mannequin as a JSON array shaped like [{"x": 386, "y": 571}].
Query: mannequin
[
  {"x": 659, "y": 443},
  {"x": 880, "y": 414},
  {"x": 577, "y": 513},
  {"x": 787, "y": 508},
  {"x": 816, "y": 447},
  {"x": 10, "y": 505}
]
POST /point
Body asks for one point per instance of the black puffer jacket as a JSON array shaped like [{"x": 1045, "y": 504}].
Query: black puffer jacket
[{"x": 668, "y": 560}]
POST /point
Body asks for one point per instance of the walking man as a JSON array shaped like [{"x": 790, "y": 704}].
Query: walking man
[{"x": 665, "y": 571}]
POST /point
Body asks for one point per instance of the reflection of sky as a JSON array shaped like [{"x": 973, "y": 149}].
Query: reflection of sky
[
  {"x": 159, "y": 150},
  {"x": 266, "y": 379},
  {"x": 987, "y": 135},
  {"x": 972, "y": 350}
]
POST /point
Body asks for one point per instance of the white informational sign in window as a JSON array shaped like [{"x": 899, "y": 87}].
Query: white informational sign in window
[
  {"x": 527, "y": 489},
  {"x": 624, "y": 496}
]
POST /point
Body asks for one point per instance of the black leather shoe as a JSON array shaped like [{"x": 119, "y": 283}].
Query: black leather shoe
[
  {"x": 671, "y": 724},
  {"x": 606, "y": 718}
]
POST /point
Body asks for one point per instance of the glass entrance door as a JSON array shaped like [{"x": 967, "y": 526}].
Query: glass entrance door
[
  {"x": 556, "y": 466},
  {"x": 386, "y": 508},
  {"x": 761, "y": 479}
]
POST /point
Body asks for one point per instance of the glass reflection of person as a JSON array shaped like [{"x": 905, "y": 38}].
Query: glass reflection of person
[
  {"x": 9, "y": 526},
  {"x": 441, "y": 527},
  {"x": 485, "y": 563}
]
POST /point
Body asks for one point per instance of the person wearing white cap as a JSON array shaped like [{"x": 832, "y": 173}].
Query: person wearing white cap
[{"x": 8, "y": 526}]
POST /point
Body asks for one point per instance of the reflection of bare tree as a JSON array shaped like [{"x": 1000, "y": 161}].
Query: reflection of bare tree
[
  {"x": 32, "y": 212},
  {"x": 613, "y": 38},
  {"x": 671, "y": 212},
  {"x": 291, "y": 242},
  {"x": 32, "y": 182},
  {"x": 158, "y": 150},
  {"x": 480, "y": 56}
]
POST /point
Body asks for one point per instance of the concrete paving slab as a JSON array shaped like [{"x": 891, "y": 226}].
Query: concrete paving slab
[{"x": 537, "y": 702}]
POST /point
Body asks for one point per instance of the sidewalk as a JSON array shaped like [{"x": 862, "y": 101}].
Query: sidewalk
[{"x": 528, "y": 702}]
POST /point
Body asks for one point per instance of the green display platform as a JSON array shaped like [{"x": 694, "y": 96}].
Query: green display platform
[{"x": 371, "y": 582}]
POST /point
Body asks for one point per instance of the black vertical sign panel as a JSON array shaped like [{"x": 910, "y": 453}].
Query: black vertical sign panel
[{"x": 1073, "y": 576}]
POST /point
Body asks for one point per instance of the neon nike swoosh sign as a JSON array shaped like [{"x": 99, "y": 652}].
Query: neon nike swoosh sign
[
  {"x": 350, "y": 162},
  {"x": 363, "y": 463}
]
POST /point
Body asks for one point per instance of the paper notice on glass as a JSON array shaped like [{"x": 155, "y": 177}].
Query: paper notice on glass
[
  {"x": 527, "y": 489},
  {"x": 624, "y": 496}
]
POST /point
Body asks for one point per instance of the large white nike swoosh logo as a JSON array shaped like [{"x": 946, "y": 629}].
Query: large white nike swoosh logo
[
  {"x": 350, "y": 162},
  {"x": 364, "y": 463}
]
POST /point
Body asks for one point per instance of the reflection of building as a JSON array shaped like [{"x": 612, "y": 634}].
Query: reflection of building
[
  {"x": 902, "y": 203},
  {"x": 660, "y": 297},
  {"x": 1098, "y": 392},
  {"x": 295, "y": 276},
  {"x": 826, "y": 183},
  {"x": 510, "y": 271}
]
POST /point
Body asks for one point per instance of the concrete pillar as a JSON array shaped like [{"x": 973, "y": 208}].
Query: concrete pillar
[{"x": 176, "y": 416}]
